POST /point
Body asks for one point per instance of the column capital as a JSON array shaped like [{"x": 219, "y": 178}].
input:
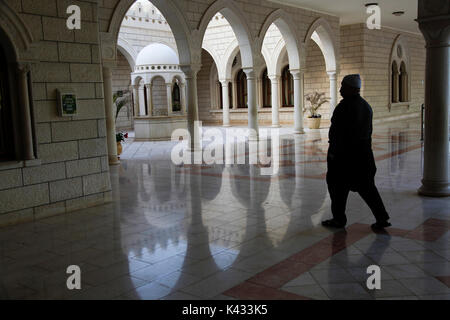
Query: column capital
[
  {"x": 224, "y": 82},
  {"x": 332, "y": 74},
  {"x": 250, "y": 72},
  {"x": 274, "y": 78},
  {"x": 297, "y": 73},
  {"x": 190, "y": 70}
]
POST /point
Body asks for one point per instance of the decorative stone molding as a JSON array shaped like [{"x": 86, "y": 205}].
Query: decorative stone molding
[{"x": 16, "y": 30}]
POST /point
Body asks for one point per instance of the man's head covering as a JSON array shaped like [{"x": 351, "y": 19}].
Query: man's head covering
[{"x": 352, "y": 80}]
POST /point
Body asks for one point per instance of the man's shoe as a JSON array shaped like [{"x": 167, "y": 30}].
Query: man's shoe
[
  {"x": 380, "y": 225},
  {"x": 333, "y": 224}
]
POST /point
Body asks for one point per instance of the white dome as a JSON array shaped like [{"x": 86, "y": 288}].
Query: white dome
[{"x": 157, "y": 53}]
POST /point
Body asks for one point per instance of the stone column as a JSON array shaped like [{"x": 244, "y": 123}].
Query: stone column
[
  {"x": 109, "y": 112},
  {"x": 226, "y": 103},
  {"x": 333, "y": 91},
  {"x": 183, "y": 98},
  {"x": 169, "y": 99},
  {"x": 136, "y": 100},
  {"x": 434, "y": 23},
  {"x": 259, "y": 89},
  {"x": 234, "y": 94},
  {"x": 25, "y": 114},
  {"x": 251, "y": 97},
  {"x": 148, "y": 87},
  {"x": 274, "y": 80},
  {"x": 141, "y": 101},
  {"x": 191, "y": 72},
  {"x": 298, "y": 100}
]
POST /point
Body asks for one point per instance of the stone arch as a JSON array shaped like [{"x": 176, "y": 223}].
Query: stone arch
[
  {"x": 286, "y": 27},
  {"x": 237, "y": 21},
  {"x": 128, "y": 51},
  {"x": 228, "y": 59},
  {"x": 171, "y": 13},
  {"x": 15, "y": 29},
  {"x": 212, "y": 52},
  {"x": 320, "y": 32},
  {"x": 177, "y": 77},
  {"x": 280, "y": 63}
]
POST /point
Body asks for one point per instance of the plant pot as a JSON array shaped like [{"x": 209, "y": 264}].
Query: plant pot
[
  {"x": 119, "y": 148},
  {"x": 313, "y": 123}
]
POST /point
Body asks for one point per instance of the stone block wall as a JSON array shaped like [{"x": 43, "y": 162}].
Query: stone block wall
[
  {"x": 72, "y": 167},
  {"x": 367, "y": 52},
  {"x": 159, "y": 95}
]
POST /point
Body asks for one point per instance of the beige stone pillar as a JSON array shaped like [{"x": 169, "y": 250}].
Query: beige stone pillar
[
  {"x": 252, "y": 108},
  {"x": 298, "y": 100},
  {"x": 183, "y": 97},
  {"x": 25, "y": 114},
  {"x": 225, "y": 103},
  {"x": 275, "y": 101},
  {"x": 234, "y": 94},
  {"x": 148, "y": 87},
  {"x": 109, "y": 112},
  {"x": 169, "y": 99},
  {"x": 259, "y": 90},
  {"x": 434, "y": 23},
  {"x": 142, "y": 112},
  {"x": 333, "y": 91},
  {"x": 136, "y": 100},
  {"x": 191, "y": 72}
]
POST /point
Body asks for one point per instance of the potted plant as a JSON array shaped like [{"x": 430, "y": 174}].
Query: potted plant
[
  {"x": 316, "y": 100},
  {"x": 120, "y": 136}
]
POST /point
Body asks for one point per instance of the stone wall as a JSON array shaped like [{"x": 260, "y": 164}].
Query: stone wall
[
  {"x": 367, "y": 52},
  {"x": 72, "y": 167},
  {"x": 159, "y": 96},
  {"x": 204, "y": 88}
]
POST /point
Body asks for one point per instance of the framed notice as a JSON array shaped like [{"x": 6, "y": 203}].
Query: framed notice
[{"x": 67, "y": 103}]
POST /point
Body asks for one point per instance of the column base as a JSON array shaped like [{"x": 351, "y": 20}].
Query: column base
[
  {"x": 113, "y": 160},
  {"x": 275, "y": 126},
  {"x": 300, "y": 131},
  {"x": 434, "y": 189},
  {"x": 226, "y": 125}
]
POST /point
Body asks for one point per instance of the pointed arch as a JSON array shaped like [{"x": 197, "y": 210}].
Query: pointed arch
[
  {"x": 15, "y": 29},
  {"x": 285, "y": 25},
  {"x": 233, "y": 14},
  {"x": 325, "y": 40},
  {"x": 128, "y": 51},
  {"x": 228, "y": 58},
  {"x": 171, "y": 13}
]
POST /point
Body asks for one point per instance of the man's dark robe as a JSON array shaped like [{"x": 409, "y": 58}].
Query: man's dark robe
[{"x": 350, "y": 157}]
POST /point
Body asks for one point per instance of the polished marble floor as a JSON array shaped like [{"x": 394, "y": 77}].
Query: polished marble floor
[{"x": 215, "y": 231}]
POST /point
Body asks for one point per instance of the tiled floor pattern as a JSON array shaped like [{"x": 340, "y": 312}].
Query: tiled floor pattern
[
  {"x": 336, "y": 267},
  {"x": 226, "y": 231}
]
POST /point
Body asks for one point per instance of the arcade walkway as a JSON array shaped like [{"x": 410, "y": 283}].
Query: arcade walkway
[{"x": 228, "y": 232}]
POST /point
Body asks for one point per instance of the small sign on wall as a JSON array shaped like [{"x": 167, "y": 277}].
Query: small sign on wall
[{"x": 67, "y": 103}]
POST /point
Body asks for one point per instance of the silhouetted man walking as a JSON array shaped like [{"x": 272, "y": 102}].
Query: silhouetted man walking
[{"x": 351, "y": 165}]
